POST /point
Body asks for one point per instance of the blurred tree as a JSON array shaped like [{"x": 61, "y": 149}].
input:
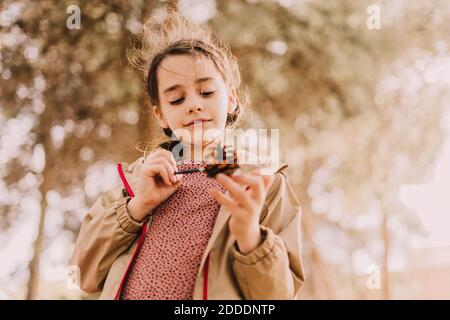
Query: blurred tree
[
  {"x": 71, "y": 84},
  {"x": 318, "y": 72}
]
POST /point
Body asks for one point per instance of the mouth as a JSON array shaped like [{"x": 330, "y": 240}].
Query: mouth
[{"x": 197, "y": 121}]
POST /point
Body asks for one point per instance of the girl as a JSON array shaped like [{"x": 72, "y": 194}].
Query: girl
[{"x": 163, "y": 235}]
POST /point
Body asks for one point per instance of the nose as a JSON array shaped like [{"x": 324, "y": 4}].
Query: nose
[{"x": 194, "y": 106}]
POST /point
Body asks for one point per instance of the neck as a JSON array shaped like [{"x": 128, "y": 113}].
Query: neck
[{"x": 197, "y": 152}]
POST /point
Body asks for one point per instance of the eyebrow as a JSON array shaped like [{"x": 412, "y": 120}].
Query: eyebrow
[{"x": 174, "y": 87}]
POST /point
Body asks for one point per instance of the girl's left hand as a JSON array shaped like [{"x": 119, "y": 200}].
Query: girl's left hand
[{"x": 245, "y": 201}]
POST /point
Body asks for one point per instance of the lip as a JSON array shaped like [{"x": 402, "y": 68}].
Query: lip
[{"x": 202, "y": 120}]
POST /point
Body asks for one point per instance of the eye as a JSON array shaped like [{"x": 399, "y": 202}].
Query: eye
[
  {"x": 179, "y": 101},
  {"x": 207, "y": 93}
]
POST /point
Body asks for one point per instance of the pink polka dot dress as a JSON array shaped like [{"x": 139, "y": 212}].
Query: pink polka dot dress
[{"x": 167, "y": 264}]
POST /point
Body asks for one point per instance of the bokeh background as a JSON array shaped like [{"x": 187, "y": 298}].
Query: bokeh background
[{"x": 363, "y": 115}]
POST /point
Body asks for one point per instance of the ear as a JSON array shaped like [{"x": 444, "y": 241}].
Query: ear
[
  {"x": 232, "y": 100},
  {"x": 160, "y": 117}
]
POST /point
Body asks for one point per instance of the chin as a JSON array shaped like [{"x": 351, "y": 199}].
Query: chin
[
  {"x": 206, "y": 134},
  {"x": 204, "y": 141}
]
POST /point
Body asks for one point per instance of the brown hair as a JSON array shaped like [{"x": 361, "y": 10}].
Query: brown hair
[{"x": 174, "y": 35}]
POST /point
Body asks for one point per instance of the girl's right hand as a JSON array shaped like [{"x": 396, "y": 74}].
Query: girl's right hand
[{"x": 156, "y": 183}]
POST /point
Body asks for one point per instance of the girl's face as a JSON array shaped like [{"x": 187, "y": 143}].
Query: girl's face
[{"x": 193, "y": 98}]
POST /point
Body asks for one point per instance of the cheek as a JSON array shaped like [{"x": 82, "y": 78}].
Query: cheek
[
  {"x": 219, "y": 107},
  {"x": 174, "y": 116}
]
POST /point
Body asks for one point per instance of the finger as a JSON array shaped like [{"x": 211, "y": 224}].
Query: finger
[
  {"x": 168, "y": 166},
  {"x": 225, "y": 200},
  {"x": 165, "y": 154},
  {"x": 156, "y": 169},
  {"x": 162, "y": 153},
  {"x": 254, "y": 181},
  {"x": 236, "y": 190}
]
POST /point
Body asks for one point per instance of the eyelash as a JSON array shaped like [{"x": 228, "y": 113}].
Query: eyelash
[{"x": 180, "y": 101}]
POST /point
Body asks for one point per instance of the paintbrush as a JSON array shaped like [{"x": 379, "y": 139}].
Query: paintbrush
[
  {"x": 190, "y": 171},
  {"x": 213, "y": 169}
]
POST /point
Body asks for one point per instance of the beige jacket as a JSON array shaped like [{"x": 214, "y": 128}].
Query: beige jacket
[{"x": 109, "y": 240}]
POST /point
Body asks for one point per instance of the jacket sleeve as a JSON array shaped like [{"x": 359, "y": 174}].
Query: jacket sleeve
[
  {"x": 106, "y": 232},
  {"x": 274, "y": 270}
]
